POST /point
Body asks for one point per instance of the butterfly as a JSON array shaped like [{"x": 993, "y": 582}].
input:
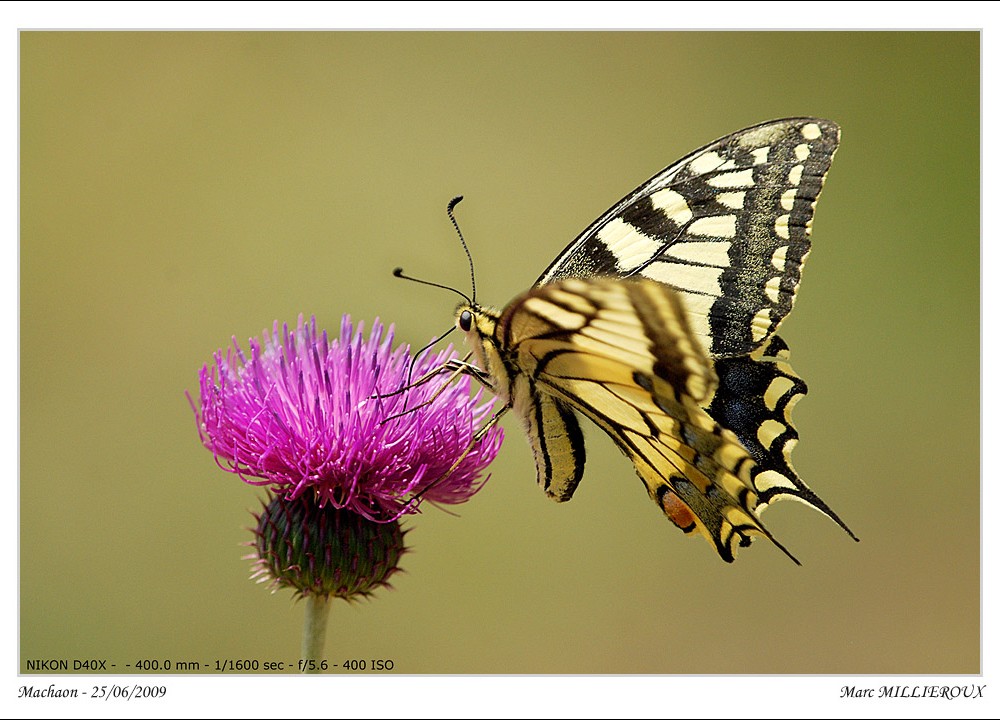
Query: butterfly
[{"x": 658, "y": 324}]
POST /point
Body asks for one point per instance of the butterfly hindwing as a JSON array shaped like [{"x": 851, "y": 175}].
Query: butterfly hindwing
[
  {"x": 727, "y": 227},
  {"x": 622, "y": 354}
]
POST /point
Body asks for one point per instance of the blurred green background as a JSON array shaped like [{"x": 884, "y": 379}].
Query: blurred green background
[{"x": 178, "y": 189}]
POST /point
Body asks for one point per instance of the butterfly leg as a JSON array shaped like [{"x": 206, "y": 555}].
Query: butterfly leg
[
  {"x": 457, "y": 367},
  {"x": 450, "y": 365},
  {"x": 479, "y": 435},
  {"x": 462, "y": 367}
]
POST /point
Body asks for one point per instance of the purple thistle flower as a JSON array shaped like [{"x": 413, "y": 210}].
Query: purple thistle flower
[{"x": 303, "y": 414}]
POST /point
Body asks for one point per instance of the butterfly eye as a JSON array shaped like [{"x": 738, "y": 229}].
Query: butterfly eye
[{"x": 465, "y": 321}]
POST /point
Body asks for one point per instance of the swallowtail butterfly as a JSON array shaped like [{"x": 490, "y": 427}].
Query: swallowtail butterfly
[{"x": 658, "y": 324}]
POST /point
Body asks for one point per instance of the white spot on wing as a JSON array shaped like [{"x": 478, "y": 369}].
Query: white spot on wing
[
  {"x": 801, "y": 152},
  {"x": 788, "y": 199},
  {"x": 576, "y": 285},
  {"x": 692, "y": 278},
  {"x": 672, "y": 204},
  {"x": 778, "y": 258},
  {"x": 732, "y": 200},
  {"x": 714, "y": 226},
  {"x": 630, "y": 247},
  {"x": 781, "y": 226},
  {"x": 778, "y": 388},
  {"x": 706, "y": 162},
  {"x": 705, "y": 253},
  {"x": 758, "y": 137},
  {"x": 772, "y": 288},
  {"x": 760, "y": 155},
  {"x": 811, "y": 131},
  {"x": 795, "y": 174},
  {"x": 771, "y": 479},
  {"x": 768, "y": 431},
  {"x": 738, "y": 179},
  {"x": 760, "y": 326}
]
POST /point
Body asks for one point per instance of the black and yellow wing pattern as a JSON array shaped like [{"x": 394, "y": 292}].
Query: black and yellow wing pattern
[
  {"x": 658, "y": 323},
  {"x": 621, "y": 353}
]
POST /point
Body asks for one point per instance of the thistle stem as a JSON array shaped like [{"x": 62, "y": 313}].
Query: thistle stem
[{"x": 314, "y": 631}]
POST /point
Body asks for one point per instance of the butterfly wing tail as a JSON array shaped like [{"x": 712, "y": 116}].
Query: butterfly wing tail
[{"x": 754, "y": 399}]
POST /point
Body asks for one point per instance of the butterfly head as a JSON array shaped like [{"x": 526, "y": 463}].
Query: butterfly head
[
  {"x": 479, "y": 326},
  {"x": 475, "y": 321}
]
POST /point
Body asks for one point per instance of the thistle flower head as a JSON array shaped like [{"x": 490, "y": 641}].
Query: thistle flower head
[{"x": 307, "y": 414}]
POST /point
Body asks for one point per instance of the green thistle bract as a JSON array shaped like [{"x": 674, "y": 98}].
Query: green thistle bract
[{"x": 324, "y": 550}]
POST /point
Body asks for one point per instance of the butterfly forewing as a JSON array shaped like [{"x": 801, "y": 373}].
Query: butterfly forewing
[{"x": 727, "y": 227}]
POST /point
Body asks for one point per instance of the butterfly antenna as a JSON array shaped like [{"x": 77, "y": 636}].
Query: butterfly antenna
[
  {"x": 472, "y": 268},
  {"x": 398, "y": 272}
]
